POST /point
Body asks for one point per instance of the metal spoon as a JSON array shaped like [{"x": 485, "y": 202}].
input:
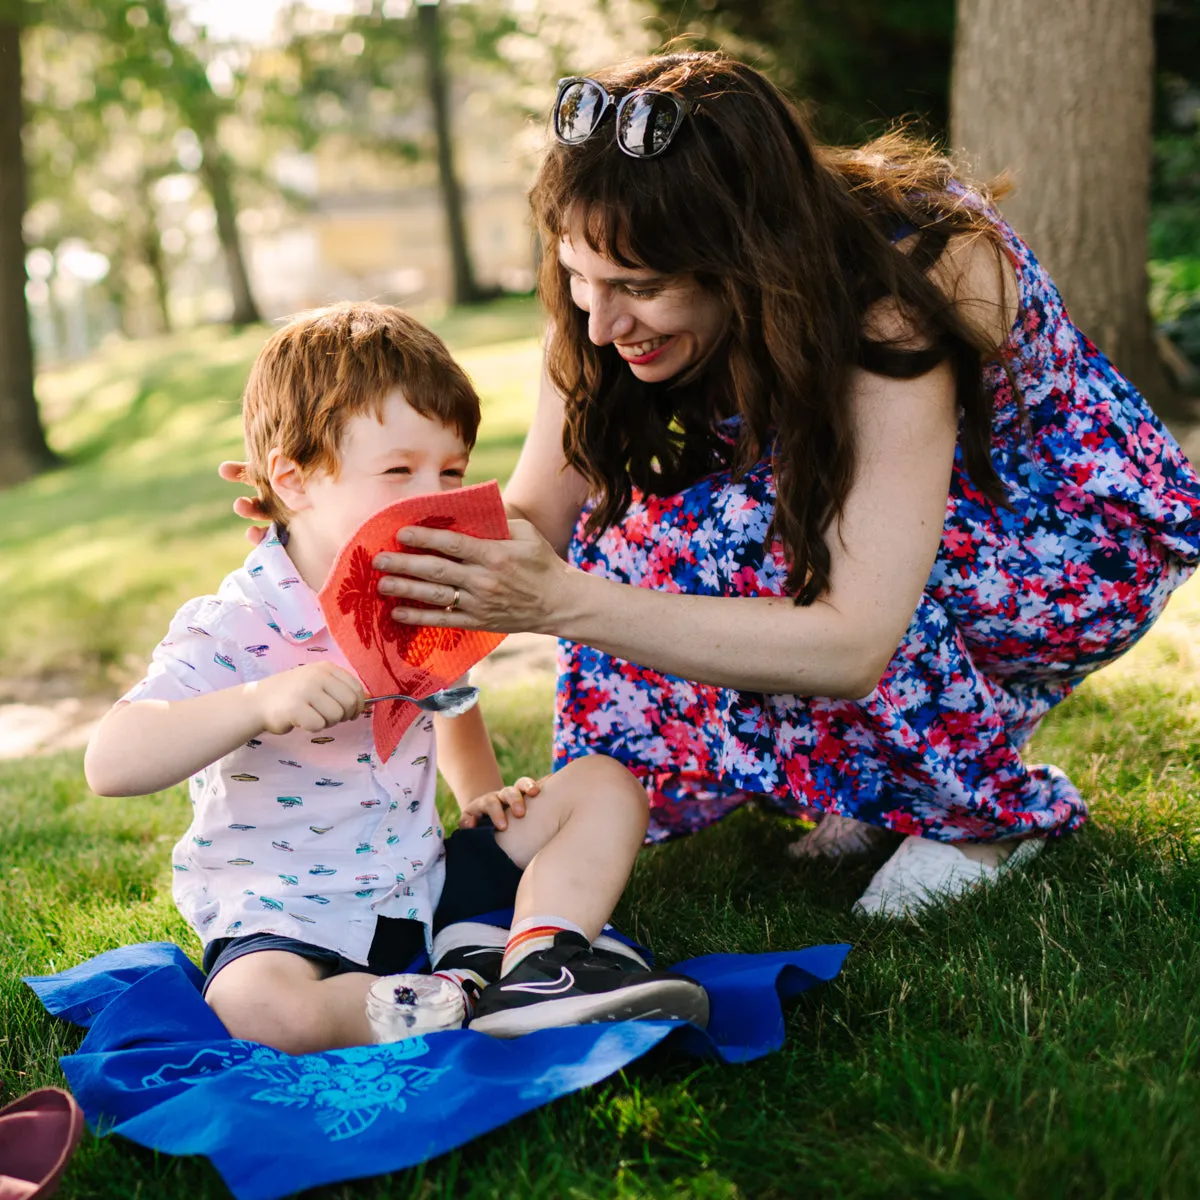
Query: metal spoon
[{"x": 450, "y": 702}]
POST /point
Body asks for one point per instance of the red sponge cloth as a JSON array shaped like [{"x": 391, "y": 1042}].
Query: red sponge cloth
[{"x": 389, "y": 657}]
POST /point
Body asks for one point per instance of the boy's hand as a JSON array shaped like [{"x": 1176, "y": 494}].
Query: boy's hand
[
  {"x": 312, "y": 698},
  {"x": 497, "y": 804}
]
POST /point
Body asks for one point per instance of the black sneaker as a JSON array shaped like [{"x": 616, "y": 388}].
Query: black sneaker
[
  {"x": 572, "y": 984},
  {"x": 470, "y": 946}
]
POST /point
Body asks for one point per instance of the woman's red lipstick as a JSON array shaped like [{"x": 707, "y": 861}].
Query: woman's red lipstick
[{"x": 649, "y": 357}]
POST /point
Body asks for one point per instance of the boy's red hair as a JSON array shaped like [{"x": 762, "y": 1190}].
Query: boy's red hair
[{"x": 326, "y": 366}]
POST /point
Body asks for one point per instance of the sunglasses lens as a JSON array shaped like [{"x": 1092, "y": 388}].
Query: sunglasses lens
[
  {"x": 647, "y": 123},
  {"x": 580, "y": 107}
]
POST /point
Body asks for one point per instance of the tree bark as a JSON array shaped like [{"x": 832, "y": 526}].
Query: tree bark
[
  {"x": 1060, "y": 94},
  {"x": 23, "y": 448},
  {"x": 215, "y": 173},
  {"x": 150, "y": 244},
  {"x": 466, "y": 291}
]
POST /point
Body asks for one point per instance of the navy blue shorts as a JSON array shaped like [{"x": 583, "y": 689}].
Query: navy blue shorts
[{"x": 480, "y": 879}]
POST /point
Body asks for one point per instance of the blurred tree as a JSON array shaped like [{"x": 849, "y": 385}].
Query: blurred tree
[
  {"x": 96, "y": 152},
  {"x": 429, "y": 26},
  {"x": 23, "y": 448},
  {"x": 1061, "y": 95},
  {"x": 859, "y": 64},
  {"x": 147, "y": 62},
  {"x": 161, "y": 61},
  {"x": 357, "y": 79}
]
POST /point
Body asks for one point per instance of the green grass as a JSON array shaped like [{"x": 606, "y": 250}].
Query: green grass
[{"x": 1040, "y": 1039}]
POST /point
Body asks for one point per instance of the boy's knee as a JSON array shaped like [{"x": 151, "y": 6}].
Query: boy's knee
[{"x": 611, "y": 783}]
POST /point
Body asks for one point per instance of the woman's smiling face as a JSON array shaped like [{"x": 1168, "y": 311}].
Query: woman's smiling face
[{"x": 660, "y": 324}]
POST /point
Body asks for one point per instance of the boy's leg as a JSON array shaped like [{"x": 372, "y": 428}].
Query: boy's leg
[
  {"x": 577, "y": 842},
  {"x": 291, "y": 1003},
  {"x": 594, "y": 812}
]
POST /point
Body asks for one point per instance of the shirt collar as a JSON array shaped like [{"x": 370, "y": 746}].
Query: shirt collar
[{"x": 296, "y": 611}]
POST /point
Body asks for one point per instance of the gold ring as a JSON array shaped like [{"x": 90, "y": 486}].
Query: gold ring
[{"x": 453, "y": 603}]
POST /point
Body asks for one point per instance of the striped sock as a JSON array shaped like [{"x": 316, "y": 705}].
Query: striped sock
[{"x": 532, "y": 934}]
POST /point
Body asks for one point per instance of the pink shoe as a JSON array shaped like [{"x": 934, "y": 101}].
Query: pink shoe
[{"x": 38, "y": 1135}]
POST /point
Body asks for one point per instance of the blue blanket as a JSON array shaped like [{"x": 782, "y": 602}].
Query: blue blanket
[{"x": 158, "y": 1067}]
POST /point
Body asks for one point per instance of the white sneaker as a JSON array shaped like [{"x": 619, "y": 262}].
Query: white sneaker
[
  {"x": 838, "y": 837},
  {"x": 404, "y": 1006},
  {"x": 923, "y": 872}
]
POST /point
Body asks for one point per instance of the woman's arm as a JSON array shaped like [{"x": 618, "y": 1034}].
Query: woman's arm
[{"x": 881, "y": 556}]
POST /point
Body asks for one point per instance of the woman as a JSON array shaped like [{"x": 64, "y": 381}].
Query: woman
[{"x": 827, "y": 496}]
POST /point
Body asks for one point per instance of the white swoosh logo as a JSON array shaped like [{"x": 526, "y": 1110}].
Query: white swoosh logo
[{"x": 563, "y": 983}]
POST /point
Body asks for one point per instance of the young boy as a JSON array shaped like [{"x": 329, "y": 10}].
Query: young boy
[{"x": 314, "y": 873}]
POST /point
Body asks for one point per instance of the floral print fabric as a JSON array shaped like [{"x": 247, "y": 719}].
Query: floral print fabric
[{"x": 1021, "y": 605}]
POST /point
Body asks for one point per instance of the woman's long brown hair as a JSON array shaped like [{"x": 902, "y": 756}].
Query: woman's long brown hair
[{"x": 798, "y": 240}]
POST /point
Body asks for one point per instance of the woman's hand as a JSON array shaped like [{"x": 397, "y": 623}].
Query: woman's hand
[
  {"x": 245, "y": 507},
  {"x": 514, "y": 586},
  {"x": 497, "y": 805}
]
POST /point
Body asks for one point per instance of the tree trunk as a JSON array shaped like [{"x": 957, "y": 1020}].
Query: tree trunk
[
  {"x": 23, "y": 448},
  {"x": 1060, "y": 94},
  {"x": 465, "y": 289},
  {"x": 150, "y": 245},
  {"x": 215, "y": 172}
]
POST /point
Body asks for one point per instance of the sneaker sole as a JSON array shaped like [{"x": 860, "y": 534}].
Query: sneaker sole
[{"x": 657, "y": 1000}]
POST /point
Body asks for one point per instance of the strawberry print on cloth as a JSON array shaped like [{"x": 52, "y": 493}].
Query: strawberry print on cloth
[{"x": 390, "y": 657}]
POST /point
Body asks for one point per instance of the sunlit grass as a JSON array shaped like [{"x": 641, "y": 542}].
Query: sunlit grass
[{"x": 95, "y": 557}]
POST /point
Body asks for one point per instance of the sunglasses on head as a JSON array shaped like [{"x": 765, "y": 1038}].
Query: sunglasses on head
[{"x": 647, "y": 120}]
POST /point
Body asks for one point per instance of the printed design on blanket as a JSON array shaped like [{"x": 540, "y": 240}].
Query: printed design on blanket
[{"x": 347, "y": 1089}]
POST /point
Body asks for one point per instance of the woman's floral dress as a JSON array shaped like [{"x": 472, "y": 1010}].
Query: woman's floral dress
[{"x": 1022, "y": 603}]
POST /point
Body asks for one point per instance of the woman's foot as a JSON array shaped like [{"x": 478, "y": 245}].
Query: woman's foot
[
  {"x": 838, "y": 837},
  {"x": 924, "y": 872}
]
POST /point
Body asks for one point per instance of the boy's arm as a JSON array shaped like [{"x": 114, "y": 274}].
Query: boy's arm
[
  {"x": 147, "y": 745},
  {"x": 465, "y": 756}
]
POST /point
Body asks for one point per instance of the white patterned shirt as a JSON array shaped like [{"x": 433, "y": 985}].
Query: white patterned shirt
[{"x": 308, "y": 836}]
